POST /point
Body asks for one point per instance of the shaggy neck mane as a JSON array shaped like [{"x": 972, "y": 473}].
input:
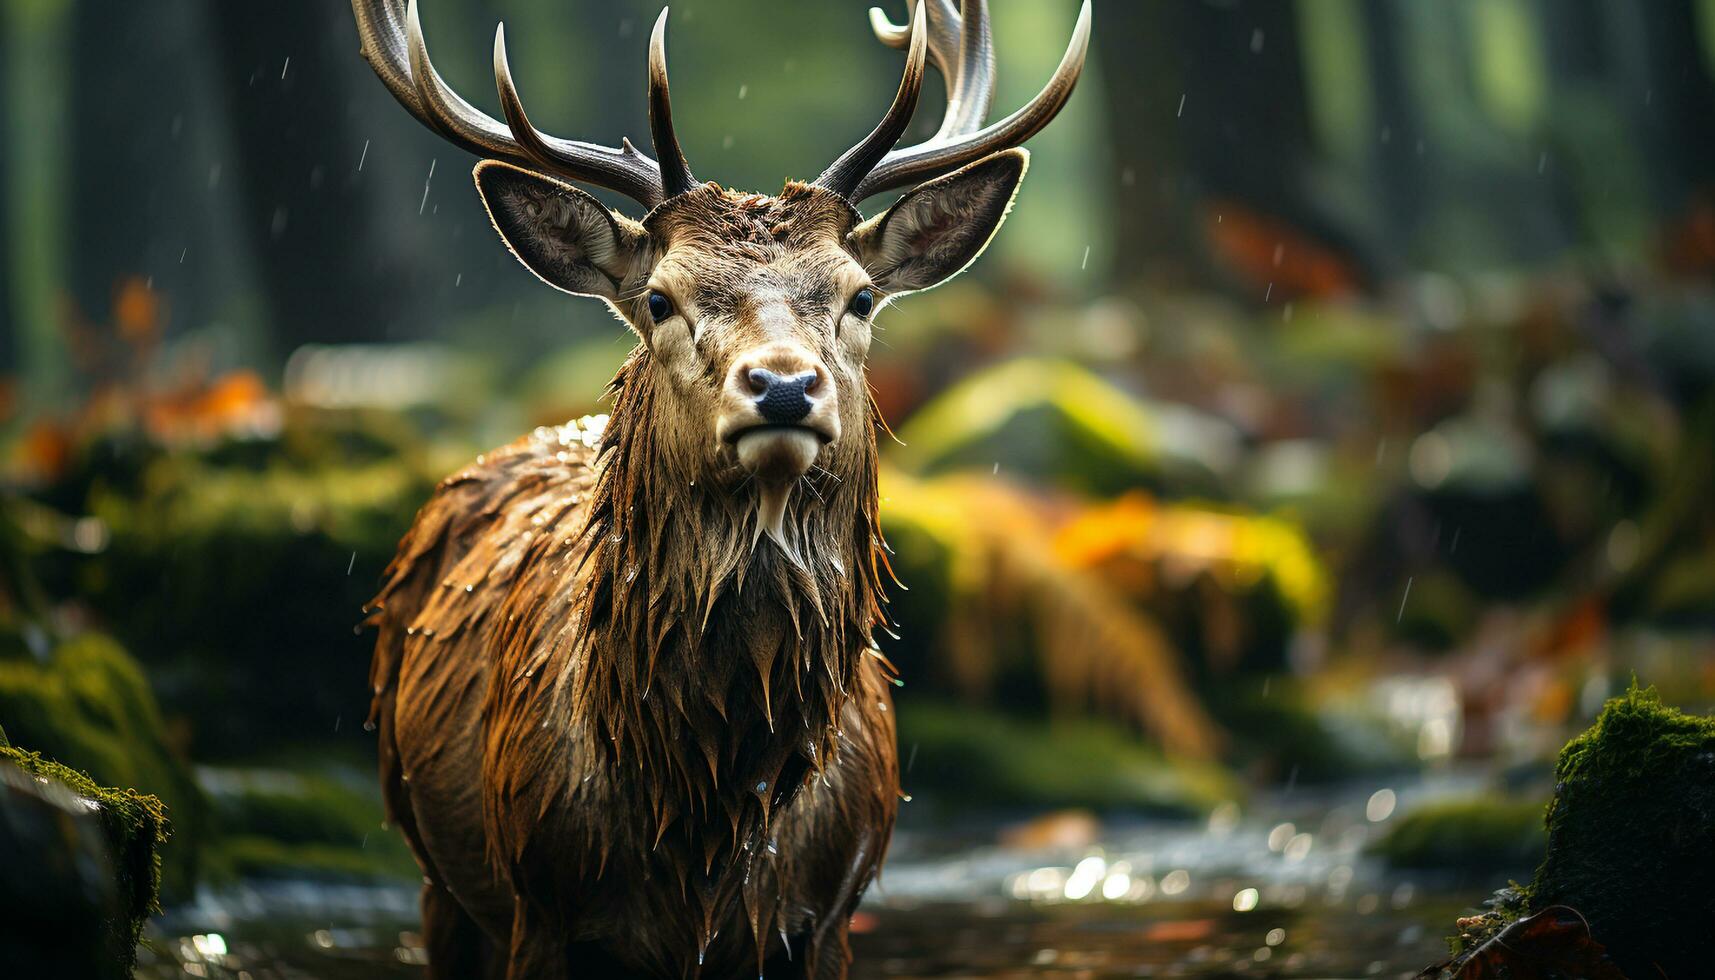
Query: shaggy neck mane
[{"x": 715, "y": 664}]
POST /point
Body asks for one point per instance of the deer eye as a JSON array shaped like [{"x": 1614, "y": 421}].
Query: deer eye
[
  {"x": 863, "y": 304},
  {"x": 660, "y": 307}
]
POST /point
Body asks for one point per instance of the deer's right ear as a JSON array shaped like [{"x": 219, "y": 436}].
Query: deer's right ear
[
  {"x": 570, "y": 240},
  {"x": 932, "y": 233}
]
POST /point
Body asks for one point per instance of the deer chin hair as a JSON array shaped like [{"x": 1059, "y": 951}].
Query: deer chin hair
[
  {"x": 777, "y": 458},
  {"x": 771, "y": 500}
]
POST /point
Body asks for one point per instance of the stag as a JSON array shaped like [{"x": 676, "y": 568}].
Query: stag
[{"x": 632, "y": 716}]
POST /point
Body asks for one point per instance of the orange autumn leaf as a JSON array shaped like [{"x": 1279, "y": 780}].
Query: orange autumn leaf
[
  {"x": 1273, "y": 257},
  {"x": 45, "y": 450},
  {"x": 233, "y": 401},
  {"x": 1550, "y": 945},
  {"x": 136, "y": 310}
]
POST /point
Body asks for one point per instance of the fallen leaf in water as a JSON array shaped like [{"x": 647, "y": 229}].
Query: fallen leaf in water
[
  {"x": 1180, "y": 931},
  {"x": 1554, "y": 944}
]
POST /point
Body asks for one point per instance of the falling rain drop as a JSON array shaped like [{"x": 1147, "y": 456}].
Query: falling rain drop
[{"x": 425, "y": 203}]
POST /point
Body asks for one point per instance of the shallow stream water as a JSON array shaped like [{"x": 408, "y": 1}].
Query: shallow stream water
[{"x": 1286, "y": 891}]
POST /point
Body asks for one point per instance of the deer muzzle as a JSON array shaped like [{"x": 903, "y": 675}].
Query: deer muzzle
[{"x": 779, "y": 408}]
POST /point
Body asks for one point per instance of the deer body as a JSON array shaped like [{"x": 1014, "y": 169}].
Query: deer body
[
  {"x": 633, "y": 721},
  {"x": 683, "y": 835}
]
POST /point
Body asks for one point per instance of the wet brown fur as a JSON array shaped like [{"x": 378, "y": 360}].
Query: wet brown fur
[{"x": 623, "y": 737}]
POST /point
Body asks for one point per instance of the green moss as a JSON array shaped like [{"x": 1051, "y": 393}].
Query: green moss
[
  {"x": 1057, "y": 423},
  {"x": 1631, "y": 835},
  {"x": 1477, "y": 834},
  {"x": 277, "y": 823},
  {"x": 135, "y": 826},
  {"x": 236, "y": 571},
  {"x": 239, "y": 587},
  {"x": 89, "y": 706},
  {"x": 264, "y": 857},
  {"x": 956, "y": 754}
]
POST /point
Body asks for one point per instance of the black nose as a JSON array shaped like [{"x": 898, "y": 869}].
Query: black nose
[{"x": 782, "y": 401}]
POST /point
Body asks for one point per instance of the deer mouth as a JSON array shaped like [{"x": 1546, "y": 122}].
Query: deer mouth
[
  {"x": 822, "y": 435},
  {"x": 778, "y": 454}
]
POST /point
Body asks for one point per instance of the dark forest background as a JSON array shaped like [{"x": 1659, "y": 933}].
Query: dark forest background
[{"x": 1336, "y": 408}]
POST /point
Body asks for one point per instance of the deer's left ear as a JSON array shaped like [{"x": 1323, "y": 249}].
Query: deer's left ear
[
  {"x": 931, "y": 234},
  {"x": 570, "y": 240}
]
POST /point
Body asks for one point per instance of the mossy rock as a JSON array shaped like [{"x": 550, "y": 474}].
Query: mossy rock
[
  {"x": 88, "y": 706},
  {"x": 133, "y": 828},
  {"x": 1480, "y": 835},
  {"x": 958, "y": 755},
  {"x": 1056, "y": 423},
  {"x": 277, "y": 823},
  {"x": 1282, "y": 734},
  {"x": 1631, "y": 835},
  {"x": 240, "y": 588},
  {"x": 236, "y": 571}
]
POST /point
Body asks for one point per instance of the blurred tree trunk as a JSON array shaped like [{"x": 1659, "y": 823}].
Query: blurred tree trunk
[
  {"x": 1144, "y": 72},
  {"x": 1575, "y": 38},
  {"x": 1399, "y": 125},
  {"x": 1678, "y": 115},
  {"x": 10, "y": 354},
  {"x": 1208, "y": 105},
  {"x": 136, "y": 189},
  {"x": 152, "y": 183},
  {"x": 1247, "y": 118},
  {"x": 33, "y": 72},
  {"x": 291, "y": 118}
]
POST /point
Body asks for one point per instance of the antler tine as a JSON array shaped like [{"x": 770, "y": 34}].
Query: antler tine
[
  {"x": 848, "y": 172},
  {"x": 676, "y": 175},
  {"x": 392, "y": 42},
  {"x": 953, "y": 146},
  {"x": 961, "y": 47},
  {"x": 625, "y": 170},
  {"x": 442, "y": 108}
]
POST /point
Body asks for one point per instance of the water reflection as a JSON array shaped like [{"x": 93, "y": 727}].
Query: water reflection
[{"x": 1287, "y": 892}]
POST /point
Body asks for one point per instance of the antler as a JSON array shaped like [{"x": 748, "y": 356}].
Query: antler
[
  {"x": 392, "y": 43},
  {"x": 962, "y": 49}
]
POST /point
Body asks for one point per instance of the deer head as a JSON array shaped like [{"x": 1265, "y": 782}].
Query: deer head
[{"x": 754, "y": 312}]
